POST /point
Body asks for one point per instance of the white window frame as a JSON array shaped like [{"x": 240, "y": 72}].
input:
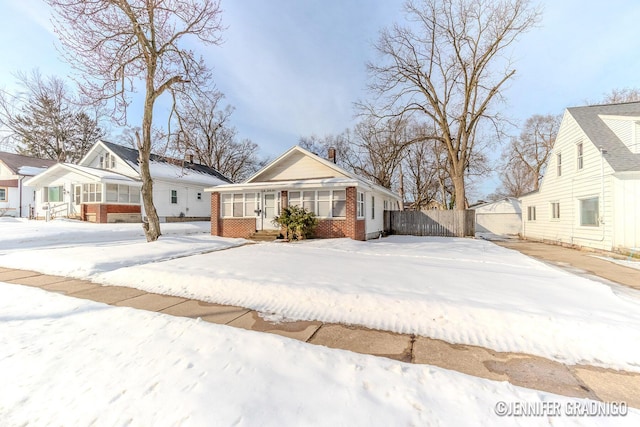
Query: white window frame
[
  {"x": 299, "y": 201},
  {"x": 235, "y": 200},
  {"x": 555, "y": 211},
  {"x": 45, "y": 194},
  {"x": 531, "y": 213},
  {"x": 132, "y": 193},
  {"x": 174, "y": 197},
  {"x": 360, "y": 206},
  {"x": 4, "y": 194},
  {"x": 580, "y": 155},
  {"x": 581, "y": 203},
  {"x": 558, "y": 164}
]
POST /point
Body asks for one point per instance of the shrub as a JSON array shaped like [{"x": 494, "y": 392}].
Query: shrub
[{"x": 298, "y": 222}]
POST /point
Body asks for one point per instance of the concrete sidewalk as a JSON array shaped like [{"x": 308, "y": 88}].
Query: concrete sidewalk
[{"x": 519, "y": 369}]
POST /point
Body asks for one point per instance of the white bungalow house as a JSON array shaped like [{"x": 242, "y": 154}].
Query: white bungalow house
[
  {"x": 16, "y": 198},
  {"x": 105, "y": 187},
  {"x": 346, "y": 205},
  {"x": 590, "y": 194}
]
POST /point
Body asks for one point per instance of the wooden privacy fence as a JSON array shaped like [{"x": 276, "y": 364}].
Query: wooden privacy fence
[{"x": 430, "y": 223}]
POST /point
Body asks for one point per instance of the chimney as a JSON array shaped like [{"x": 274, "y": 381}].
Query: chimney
[{"x": 332, "y": 155}]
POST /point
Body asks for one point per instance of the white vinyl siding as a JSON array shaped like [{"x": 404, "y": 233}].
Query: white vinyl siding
[
  {"x": 594, "y": 179},
  {"x": 297, "y": 166}
]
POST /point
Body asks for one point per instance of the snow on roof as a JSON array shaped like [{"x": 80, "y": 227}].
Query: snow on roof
[
  {"x": 30, "y": 170},
  {"x": 169, "y": 171},
  {"x": 16, "y": 161}
]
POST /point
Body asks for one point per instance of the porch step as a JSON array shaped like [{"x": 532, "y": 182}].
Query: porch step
[{"x": 265, "y": 235}]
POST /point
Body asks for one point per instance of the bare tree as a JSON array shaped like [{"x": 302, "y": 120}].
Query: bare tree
[
  {"x": 117, "y": 43},
  {"x": 205, "y": 132},
  {"x": 526, "y": 157},
  {"x": 45, "y": 120},
  {"x": 449, "y": 67},
  {"x": 617, "y": 96},
  {"x": 421, "y": 169}
]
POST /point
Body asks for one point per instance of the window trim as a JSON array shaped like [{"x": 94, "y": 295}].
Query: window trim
[
  {"x": 373, "y": 207},
  {"x": 174, "y": 197},
  {"x": 360, "y": 205},
  {"x": 6, "y": 194},
  {"x": 257, "y": 199},
  {"x": 558, "y": 164},
  {"x": 555, "y": 211},
  {"x": 596, "y": 223},
  {"x": 299, "y": 201},
  {"x": 580, "y": 156},
  {"x": 531, "y": 213}
]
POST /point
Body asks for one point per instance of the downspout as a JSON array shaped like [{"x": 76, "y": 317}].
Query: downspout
[{"x": 21, "y": 177}]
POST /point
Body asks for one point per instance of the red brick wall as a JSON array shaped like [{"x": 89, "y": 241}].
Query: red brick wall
[
  {"x": 330, "y": 228},
  {"x": 354, "y": 227},
  {"x": 215, "y": 214},
  {"x": 237, "y": 227},
  {"x": 101, "y": 210}
]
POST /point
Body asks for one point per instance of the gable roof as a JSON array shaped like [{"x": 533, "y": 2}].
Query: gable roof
[
  {"x": 341, "y": 175},
  {"x": 618, "y": 155},
  {"x": 131, "y": 156},
  {"x": 100, "y": 175},
  {"x": 24, "y": 165}
]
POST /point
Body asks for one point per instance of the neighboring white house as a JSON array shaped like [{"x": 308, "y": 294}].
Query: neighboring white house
[
  {"x": 345, "y": 204},
  {"x": 590, "y": 194},
  {"x": 17, "y": 199},
  {"x": 502, "y": 217},
  {"x": 105, "y": 187}
]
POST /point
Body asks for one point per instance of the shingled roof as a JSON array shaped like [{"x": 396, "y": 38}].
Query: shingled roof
[
  {"x": 130, "y": 155},
  {"x": 618, "y": 155},
  {"x": 16, "y": 161}
]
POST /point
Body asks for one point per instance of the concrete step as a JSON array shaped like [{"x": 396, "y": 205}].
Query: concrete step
[{"x": 265, "y": 235}]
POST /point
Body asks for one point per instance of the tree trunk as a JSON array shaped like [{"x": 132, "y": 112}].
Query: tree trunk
[
  {"x": 152, "y": 225},
  {"x": 459, "y": 191}
]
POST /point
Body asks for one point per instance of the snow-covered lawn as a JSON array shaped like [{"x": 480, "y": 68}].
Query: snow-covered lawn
[
  {"x": 460, "y": 290},
  {"x": 65, "y": 361},
  {"x": 72, "y": 362}
]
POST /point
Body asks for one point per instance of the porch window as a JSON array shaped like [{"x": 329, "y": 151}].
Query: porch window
[
  {"x": 77, "y": 194},
  {"x": 112, "y": 193},
  {"x": 238, "y": 205},
  {"x": 250, "y": 204},
  {"x": 3, "y": 194},
  {"x": 360, "y": 205},
  {"x": 174, "y": 197},
  {"x": 324, "y": 203},
  {"x": 119, "y": 193},
  {"x": 339, "y": 203},
  {"x": 53, "y": 194},
  {"x": 589, "y": 212},
  {"x": 227, "y": 204},
  {"x": 294, "y": 198},
  {"x": 92, "y": 193},
  {"x": 309, "y": 201}
]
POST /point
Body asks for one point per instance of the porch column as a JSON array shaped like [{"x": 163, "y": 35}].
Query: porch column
[
  {"x": 216, "y": 221},
  {"x": 352, "y": 224}
]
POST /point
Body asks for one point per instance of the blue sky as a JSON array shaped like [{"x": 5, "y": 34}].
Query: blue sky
[{"x": 294, "y": 68}]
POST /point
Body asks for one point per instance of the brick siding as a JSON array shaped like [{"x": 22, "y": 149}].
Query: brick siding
[{"x": 101, "y": 210}]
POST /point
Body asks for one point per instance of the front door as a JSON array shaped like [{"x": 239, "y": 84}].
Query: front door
[{"x": 269, "y": 211}]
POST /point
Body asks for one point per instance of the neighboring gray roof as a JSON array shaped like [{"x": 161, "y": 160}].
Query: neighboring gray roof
[
  {"x": 17, "y": 161},
  {"x": 618, "y": 155},
  {"x": 131, "y": 155}
]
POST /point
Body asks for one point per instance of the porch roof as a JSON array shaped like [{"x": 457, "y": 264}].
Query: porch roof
[
  {"x": 294, "y": 184},
  {"x": 62, "y": 170}
]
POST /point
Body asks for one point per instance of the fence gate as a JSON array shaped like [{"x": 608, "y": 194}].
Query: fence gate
[{"x": 450, "y": 223}]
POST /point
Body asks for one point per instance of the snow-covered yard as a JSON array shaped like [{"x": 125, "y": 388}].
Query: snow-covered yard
[{"x": 115, "y": 365}]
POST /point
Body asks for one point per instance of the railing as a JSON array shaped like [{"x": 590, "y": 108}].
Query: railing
[
  {"x": 449, "y": 223},
  {"x": 57, "y": 211}
]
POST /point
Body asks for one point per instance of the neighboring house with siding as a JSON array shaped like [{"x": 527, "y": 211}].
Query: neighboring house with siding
[
  {"x": 105, "y": 187},
  {"x": 16, "y": 198},
  {"x": 590, "y": 194},
  {"x": 346, "y": 205}
]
